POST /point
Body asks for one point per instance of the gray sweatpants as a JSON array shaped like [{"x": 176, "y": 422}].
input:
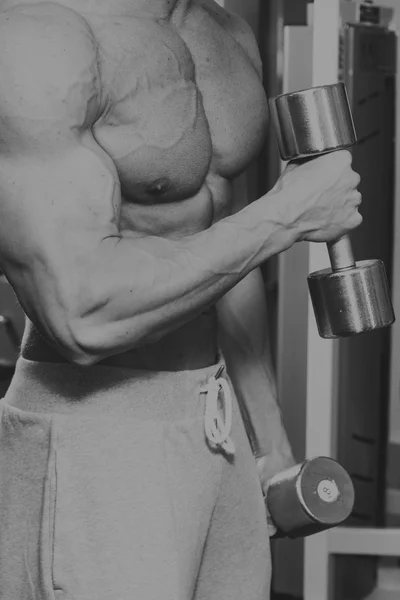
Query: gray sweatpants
[{"x": 109, "y": 490}]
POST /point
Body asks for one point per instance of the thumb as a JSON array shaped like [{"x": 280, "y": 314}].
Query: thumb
[
  {"x": 297, "y": 162},
  {"x": 291, "y": 166}
]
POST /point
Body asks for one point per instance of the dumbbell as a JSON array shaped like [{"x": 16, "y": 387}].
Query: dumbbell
[
  {"x": 315, "y": 495},
  {"x": 349, "y": 298}
]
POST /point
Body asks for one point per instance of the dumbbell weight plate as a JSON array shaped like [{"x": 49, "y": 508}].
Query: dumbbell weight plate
[
  {"x": 312, "y": 122},
  {"x": 311, "y": 497},
  {"x": 351, "y": 301}
]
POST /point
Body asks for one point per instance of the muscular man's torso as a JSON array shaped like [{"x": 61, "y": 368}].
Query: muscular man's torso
[{"x": 182, "y": 112}]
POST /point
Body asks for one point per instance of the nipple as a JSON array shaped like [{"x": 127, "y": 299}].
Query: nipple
[{"x": 159, "y": 186}]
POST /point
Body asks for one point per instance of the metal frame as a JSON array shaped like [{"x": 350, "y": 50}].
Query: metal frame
[
  {"x": 320, "y": 395},
  {"x": 321, "y": 367},
  {"x": 320, "y": 548}
]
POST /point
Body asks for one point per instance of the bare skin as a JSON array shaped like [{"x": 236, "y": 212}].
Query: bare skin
[
  {"x": 178, "y": 106},
  {"x": 124, "y": 126},
  {"x": 158, "y": 196}
]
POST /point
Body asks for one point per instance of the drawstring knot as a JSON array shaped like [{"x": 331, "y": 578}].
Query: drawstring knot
[{"x": 217, "y": 425}]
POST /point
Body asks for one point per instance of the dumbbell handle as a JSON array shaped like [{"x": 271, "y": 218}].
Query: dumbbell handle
[
  {"x": 340, "y": 251},
  {"x": 341, "y": 254}
]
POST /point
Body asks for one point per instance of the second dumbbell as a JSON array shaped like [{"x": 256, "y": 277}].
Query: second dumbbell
[{"x": 310, "y": 497}]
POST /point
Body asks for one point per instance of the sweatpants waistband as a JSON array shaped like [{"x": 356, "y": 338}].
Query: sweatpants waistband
[{"x": 66, "y": 388}]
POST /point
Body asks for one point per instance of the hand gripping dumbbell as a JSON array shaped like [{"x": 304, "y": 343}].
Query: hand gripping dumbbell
[
  {"x": 349, "y": 298},
  {"x": 311, "y": 497}
]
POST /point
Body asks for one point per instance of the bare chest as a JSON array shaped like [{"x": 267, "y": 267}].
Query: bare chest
[{"x": 183, "y": 109}]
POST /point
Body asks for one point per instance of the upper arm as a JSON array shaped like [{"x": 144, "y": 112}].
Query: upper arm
[
  {"x": 239, "y": 29},
  {"x": 49, "y": 82},
  {"x": 244, "y": 35},
  {"x": 57, "y": 187}
]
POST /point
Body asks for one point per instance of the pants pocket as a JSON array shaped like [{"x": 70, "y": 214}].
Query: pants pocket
[
  {"x": 27, "y": 476},
  {"x": 114, "y": 532}
]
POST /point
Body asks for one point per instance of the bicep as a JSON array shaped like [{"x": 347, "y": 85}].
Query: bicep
[
  {"x": 239, "y": 29},
  {"x": 53, "y": 217},
  {"x": 244, "y": 35},
  {"x": 59, "y": 193}
]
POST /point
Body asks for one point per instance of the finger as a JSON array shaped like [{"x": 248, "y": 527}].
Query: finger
[
  {"x": 356, "y": 198},
  {"x": 355, "y": 220},
  {"x": 356, "y": 178},
  {"x": 269, "y": 519},
  {"x": 291, "y": 166},
  {"x": 343, "y": 157},
  {"x": 272, "y": 530}
]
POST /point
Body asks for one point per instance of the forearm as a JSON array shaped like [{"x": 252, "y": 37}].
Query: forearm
[
  {"x": 245, "y": 342},
  {"x": 254, "y": 383},
  {"x": 141, "y": 288}
]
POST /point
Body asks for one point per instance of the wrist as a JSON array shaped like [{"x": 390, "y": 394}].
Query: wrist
[
  {"x": 275, "y": 206},
  {"x": 270, "y": 224}
]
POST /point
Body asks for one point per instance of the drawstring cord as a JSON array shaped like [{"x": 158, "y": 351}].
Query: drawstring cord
[{"x": 217, "y": 426}]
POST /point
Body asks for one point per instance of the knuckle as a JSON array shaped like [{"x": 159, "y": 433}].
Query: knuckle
[
  {"x": 358, "y": 220},
  {"x": 354, "y": 198},
  {"x": 346, "y": 157},
  {"x": 356, "y": 178}
]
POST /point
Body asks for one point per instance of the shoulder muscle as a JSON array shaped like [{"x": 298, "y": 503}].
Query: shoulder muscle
[{"x": 50, "y": 82}]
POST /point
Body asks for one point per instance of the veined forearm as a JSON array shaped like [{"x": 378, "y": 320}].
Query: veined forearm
[
  {"x": 142, "y": 288},
  {"x": 254, "y": 385}
]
